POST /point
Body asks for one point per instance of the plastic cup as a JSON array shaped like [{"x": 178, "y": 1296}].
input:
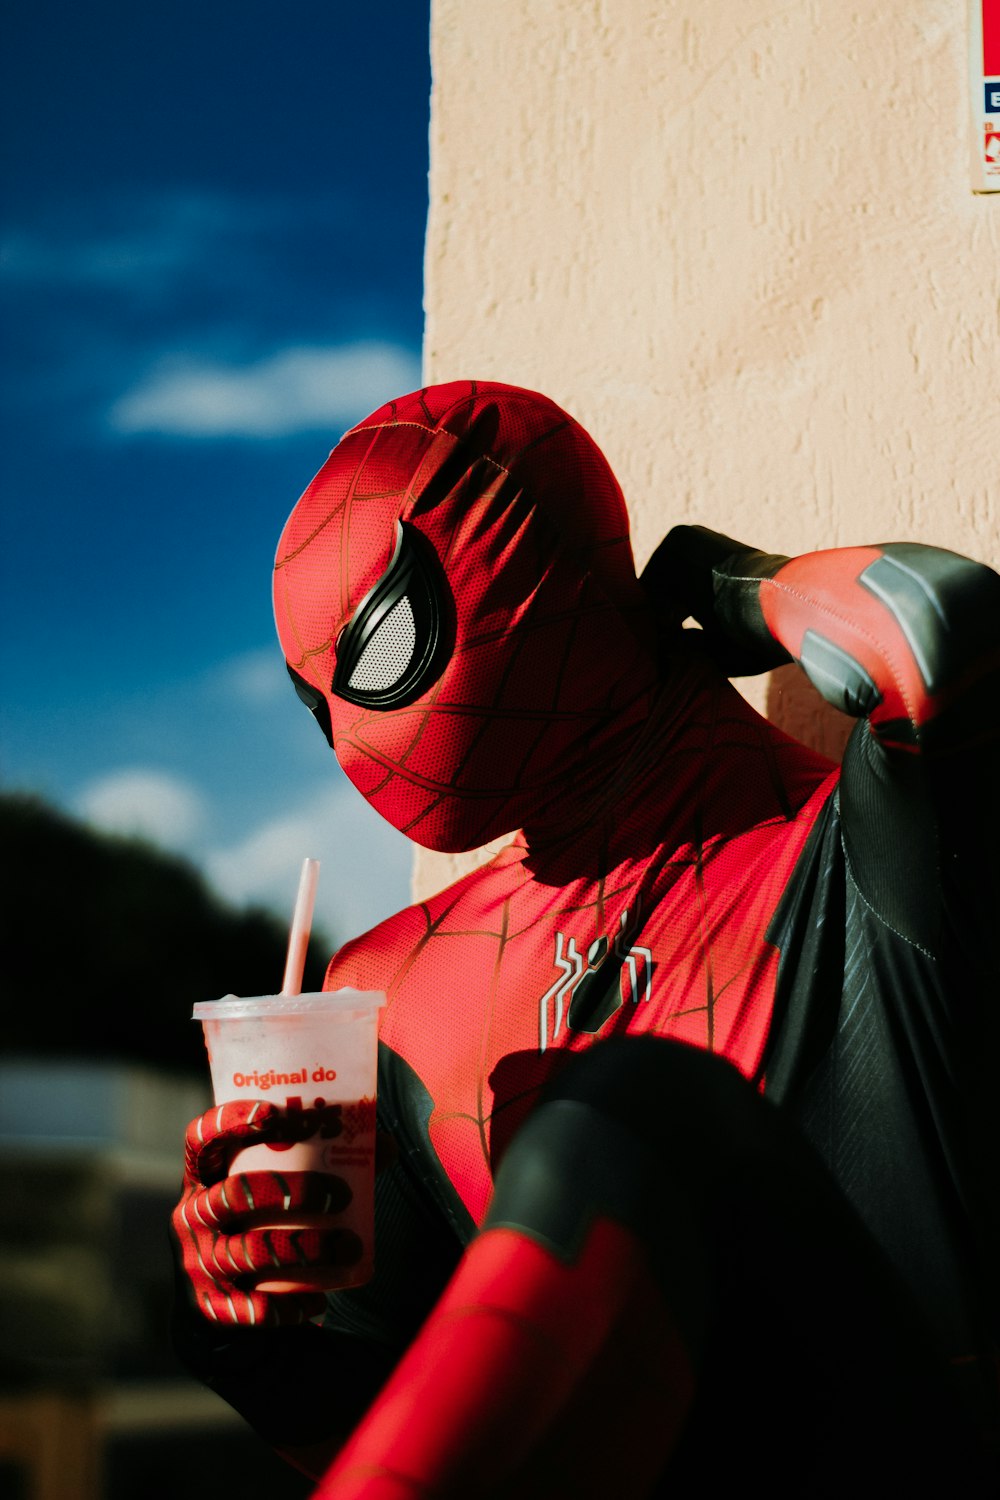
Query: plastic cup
[{"x": 315, "y": 1054}]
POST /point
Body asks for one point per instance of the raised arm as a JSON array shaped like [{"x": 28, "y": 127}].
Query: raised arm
[
  {"x": 905, "y": 635},
  {"x": 907, "y": 638}
]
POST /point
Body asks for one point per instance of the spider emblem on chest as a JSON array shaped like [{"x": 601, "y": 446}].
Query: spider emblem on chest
[{"x": 590, "y": 988}]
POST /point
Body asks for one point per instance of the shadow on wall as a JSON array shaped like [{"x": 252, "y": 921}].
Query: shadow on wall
[{"x": 796, "y": 708}]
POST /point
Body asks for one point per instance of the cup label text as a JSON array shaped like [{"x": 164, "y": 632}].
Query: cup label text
[{"x": 271, "y": 1079}]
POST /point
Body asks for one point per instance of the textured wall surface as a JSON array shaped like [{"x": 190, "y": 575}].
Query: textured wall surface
[{"x": 737, "y": 240}]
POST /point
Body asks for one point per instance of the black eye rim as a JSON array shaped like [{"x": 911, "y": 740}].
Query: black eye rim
[
  {"x": 314, "y": 701},
  {"x": 414, "y": 573}
]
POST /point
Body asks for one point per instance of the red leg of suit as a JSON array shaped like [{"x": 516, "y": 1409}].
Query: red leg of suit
[{"x": 531, "y": 1377}]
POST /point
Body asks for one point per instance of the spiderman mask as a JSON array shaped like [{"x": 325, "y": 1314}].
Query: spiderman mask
[{"x": 457, "y": 603}]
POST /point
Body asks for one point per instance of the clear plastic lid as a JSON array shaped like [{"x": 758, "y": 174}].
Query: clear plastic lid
[{"x": 337, "y": 1002}]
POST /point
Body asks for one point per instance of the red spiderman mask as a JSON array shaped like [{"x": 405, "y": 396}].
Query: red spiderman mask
[{"x": 457, "y": 603}]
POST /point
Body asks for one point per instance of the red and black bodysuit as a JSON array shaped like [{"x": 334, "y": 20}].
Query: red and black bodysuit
[{"x": 670, "y": 1249}]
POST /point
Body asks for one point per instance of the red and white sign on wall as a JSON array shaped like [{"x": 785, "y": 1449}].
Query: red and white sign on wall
[{"x": 985, "y": 80}]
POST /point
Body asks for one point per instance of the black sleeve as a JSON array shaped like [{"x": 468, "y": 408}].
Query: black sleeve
[
  {"x": 919, "y": 792},
  {"x": 886, "y": 1031},
  {"x": 294, "y": 1386}
]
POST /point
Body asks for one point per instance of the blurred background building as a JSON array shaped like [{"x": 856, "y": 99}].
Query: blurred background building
[{"x": 107, "y": 942}]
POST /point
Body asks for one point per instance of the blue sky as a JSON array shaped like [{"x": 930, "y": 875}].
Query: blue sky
[{"x": 211, "y": 264}]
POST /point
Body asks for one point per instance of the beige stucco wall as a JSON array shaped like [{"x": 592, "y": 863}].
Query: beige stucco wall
[{"x": 737, "y": 240}]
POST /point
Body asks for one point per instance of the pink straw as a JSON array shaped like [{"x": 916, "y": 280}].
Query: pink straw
[{"x": 298, "y": 938}]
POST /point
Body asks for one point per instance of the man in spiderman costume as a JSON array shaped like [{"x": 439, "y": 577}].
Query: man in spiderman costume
[{"x": 690, "y": 1086}]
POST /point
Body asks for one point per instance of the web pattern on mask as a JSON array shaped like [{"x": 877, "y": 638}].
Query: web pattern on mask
[{"x": 515, "y": 696}]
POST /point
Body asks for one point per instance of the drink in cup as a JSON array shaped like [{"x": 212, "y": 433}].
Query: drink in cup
[{"x": 314, "y": 1054}]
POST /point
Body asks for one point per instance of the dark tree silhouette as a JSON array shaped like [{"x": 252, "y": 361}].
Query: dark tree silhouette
[{"x": 106, "y": 942}]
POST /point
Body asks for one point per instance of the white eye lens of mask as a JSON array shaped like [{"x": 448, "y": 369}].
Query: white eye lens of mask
[{"x": 388, "y": 653}]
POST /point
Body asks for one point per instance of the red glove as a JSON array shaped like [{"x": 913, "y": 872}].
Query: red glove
[{"x": 249, "y": 1242}]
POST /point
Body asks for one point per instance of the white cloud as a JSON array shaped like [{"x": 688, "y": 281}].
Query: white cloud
[
  {"x": 113, "y": 262},
  {"x": 297, "y": 389},
  {"x": 247, "y": 821},
  {"x": 145, "y": 802},
  {"x": 142, "y": 241},
  {"x": 264, "y": 865},
  {"x": 365, "y": 863},
  {"x": 257, "y": 678}
]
